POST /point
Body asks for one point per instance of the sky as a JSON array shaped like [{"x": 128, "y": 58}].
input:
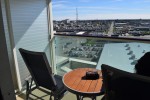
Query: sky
[{"x": 101, "y": 9}]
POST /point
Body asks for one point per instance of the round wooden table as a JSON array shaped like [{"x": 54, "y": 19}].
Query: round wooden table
[{"x": 76, "y": 83}]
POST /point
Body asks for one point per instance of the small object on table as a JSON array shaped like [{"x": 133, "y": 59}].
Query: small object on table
[{"x": 92, "y": 75}]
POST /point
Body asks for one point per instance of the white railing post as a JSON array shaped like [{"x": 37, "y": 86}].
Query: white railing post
[{"x": 51, "y": 36}]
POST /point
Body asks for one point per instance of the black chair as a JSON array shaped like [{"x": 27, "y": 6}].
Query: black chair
[
  {"x": 1, "y": 96},
  {"x": 121, "y": 85},
  {"x": 42, "y": 75}
]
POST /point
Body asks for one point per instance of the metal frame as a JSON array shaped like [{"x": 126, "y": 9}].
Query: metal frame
[{"x": 30, "y": 87}]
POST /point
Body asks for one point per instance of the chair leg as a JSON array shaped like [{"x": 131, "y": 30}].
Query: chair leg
[
  {"x": 79, "y": 97},
  {"x": 94, "y": 98},
  {"x": 103, "y": 98},
  {"x": 27, "y": 96},
  {"x": 27, "y": 90},
  {"x": 50, "y": 98},
  {"x": 56, "y": 98}
]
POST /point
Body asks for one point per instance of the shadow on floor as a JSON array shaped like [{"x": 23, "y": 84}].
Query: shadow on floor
[{"x": 44, "y": 96}]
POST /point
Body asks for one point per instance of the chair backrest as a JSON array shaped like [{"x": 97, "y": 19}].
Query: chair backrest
[
  {"x": 39, "y": 68},
  {"x": 121, "y": 85}
]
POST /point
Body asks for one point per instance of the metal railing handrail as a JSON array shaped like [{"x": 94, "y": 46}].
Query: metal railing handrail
[{"x": 123, "y": 39}]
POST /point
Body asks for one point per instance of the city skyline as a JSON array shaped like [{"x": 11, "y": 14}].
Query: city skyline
[{"x": 101, "y": 9}]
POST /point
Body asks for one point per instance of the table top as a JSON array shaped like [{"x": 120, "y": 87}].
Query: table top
[{"x": 75, "y": 83}]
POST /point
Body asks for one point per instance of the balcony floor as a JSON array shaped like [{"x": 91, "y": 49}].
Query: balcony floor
[{"x": 67, "y": 96}]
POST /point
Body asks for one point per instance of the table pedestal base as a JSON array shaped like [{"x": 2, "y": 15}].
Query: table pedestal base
[{"x": 79, "y": 97}]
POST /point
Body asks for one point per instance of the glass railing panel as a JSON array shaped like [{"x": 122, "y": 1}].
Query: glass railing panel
[
  {"x": 77, "y": 52},
  {"x": 123, "y": 55}
]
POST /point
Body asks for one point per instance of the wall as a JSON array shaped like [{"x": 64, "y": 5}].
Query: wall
[
  {"x": 30, "y": 31},
  {"x": 6, "y": 83}
]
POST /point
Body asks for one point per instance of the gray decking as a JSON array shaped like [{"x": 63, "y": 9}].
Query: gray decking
[{"x": 67, "y": 96}]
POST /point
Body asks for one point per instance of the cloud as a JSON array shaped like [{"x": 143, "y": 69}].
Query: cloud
[
  {"x": 111, "y": 16},
  {"x": 146, "y": 0},
  {"x": 105, "y": 16},
  {"x": 86, "y": 7},
  {"x": 65, "y": 12},
  {"x": 85, "y": 0},
  {"x": 103, "y": 8},
  {"x": 117, "y": 16},
  {"x": 59, "y": 4},
  {"x": 99, "y": 8},
  {"x": 117, "y": 0},
  {"x": 142, "y": 1}
]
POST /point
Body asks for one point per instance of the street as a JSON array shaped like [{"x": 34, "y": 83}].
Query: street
[{"x": 110, "y": 31}]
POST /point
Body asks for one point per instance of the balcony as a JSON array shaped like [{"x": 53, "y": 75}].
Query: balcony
[
  {"x": 26, "y": 25},
  {"x": 73, "y": 52}
]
